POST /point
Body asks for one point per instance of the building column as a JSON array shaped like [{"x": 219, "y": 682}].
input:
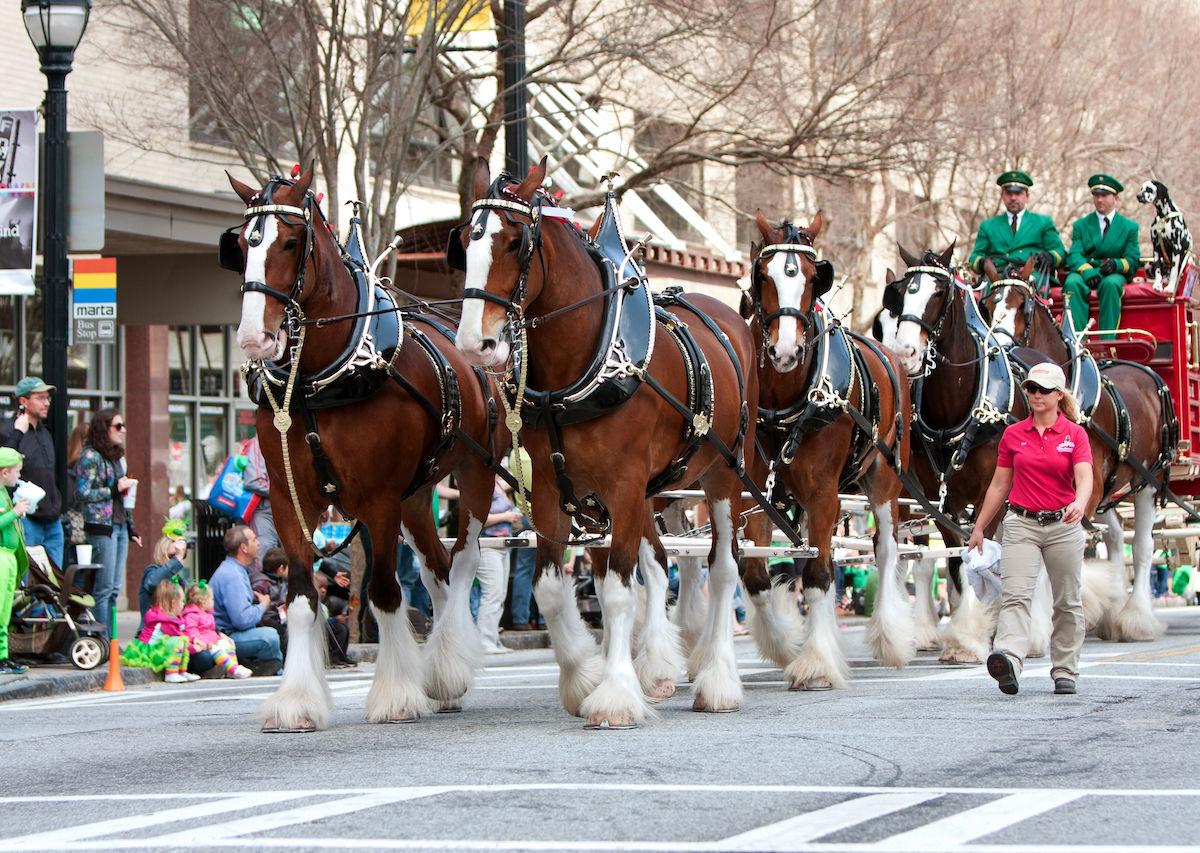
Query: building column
[{"x": 146, "y": 388}]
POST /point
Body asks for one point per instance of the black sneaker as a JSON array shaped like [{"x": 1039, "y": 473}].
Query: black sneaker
[
  {"x": 8, "y": 667},
  {"x": 1000, "y": 668},
  {"x": 1065, "y": 686}
]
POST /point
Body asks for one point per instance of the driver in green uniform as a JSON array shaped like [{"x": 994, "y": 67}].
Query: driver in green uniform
[
  {"x": 1104, "y": 255},
  {"x": 1010, "y": 238}
]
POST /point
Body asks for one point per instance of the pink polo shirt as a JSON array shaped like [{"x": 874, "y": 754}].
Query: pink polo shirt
[{"x": 1043, "y": 465}]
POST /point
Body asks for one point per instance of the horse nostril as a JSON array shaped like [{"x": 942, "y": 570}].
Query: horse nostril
[{"x": 487, "y": 345}]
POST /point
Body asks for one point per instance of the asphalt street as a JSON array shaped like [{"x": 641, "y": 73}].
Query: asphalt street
[{"x": 929, "y": 758}]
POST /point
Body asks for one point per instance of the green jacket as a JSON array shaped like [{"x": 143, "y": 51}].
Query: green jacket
[
  {"x": 996, "y": 240},
  {"x": 10, "y": 533},
  {"x": 1120, "y": 244}
]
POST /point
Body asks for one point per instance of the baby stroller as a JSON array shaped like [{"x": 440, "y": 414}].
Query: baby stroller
[{"x": 51, "y": 608}]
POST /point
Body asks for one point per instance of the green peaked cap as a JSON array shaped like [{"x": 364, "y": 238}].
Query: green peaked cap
[{"x": 1014, "y": 179}]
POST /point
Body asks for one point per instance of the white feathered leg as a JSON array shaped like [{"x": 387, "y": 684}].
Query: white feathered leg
[
  {"x": 1103, "y": 587},
  {"x": 579, "y": 667},
  {"x": 926, "y": 617},
  {"x": 890, "y": 630},
  {"x": 1136, "y": 622},
  {"x": 396, "y": 694},
  {"x": 302, "y": 702},
  {"x": 775, "y": 625},
  {"x": 658, "y": 662},
  {"x": 967, "y": 637},
  {"x": 453, "y": 652},
  {"x": 618, "y": 701},
  {"x": 717, "y": 686},
  {"x": 821, "y": 663}
]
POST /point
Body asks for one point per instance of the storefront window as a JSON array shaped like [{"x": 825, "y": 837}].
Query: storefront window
[
  {"x": 178, "y": 360},
  {"x": 210, "y": 354},
  {"x": 8, "y": 341},
  {"x": 179, "y": 455}
]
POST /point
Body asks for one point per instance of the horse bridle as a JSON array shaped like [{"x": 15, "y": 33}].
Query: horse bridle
[
  {"x": 795, "y": 243},
  {"x": 893, "y": 303},
  {"x": 531, "y": 240},
  {"x": 231, "y": 257},
  {"x": 1027, "y": 306}
]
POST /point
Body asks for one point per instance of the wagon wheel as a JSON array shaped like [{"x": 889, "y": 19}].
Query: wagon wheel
[{"x": 87, "y": 653}]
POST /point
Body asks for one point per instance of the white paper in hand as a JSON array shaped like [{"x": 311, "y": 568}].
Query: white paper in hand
[
  {"x": 983, "y": 570},
  {"x": 30, "y": 492}
]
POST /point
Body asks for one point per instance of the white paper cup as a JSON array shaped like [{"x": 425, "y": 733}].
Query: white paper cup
[
  {"x": 83, "y": 554},
  {"x": 131, "y": 496}
]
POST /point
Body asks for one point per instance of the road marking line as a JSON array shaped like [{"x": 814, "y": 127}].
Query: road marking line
[
  {"x": 43, "y": 840},
  {"x": 958, "y": 829},
  {"x": 307, "y": 813},
  {"x": 787, "y": 834}
]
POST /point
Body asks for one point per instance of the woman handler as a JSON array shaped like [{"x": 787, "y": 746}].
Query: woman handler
[{"x": 1044, "y": 470}]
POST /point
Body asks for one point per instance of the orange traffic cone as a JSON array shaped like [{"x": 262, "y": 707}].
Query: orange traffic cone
[{"x": 114, "y": 681}]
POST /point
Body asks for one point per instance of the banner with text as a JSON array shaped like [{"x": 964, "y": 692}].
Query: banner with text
[
  {"x": 94, "y": 310},
  {"x": 18, "y": 200}
]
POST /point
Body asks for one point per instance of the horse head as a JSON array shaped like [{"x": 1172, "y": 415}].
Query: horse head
[
  {"x": 1008, "y": 302},
  {"x": 915, "y": 304},
  {"x": 786, "y": 280},
  {"x": 496, "y": 250},
  {"x": 273, "y": 252}
]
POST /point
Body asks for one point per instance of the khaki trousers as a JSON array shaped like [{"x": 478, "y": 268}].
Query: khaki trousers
[{"x": 1026, "y": 546}]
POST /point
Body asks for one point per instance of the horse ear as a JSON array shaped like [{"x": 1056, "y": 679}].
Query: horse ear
[
  {"x": 989, "y": 270},
  {"x": 945, "y": 256},
  {"x": 483, "y": 178},
  {"x": 764, "y": 228},
  {"x": 888, "y": 277},
  {"x": 244, "y": 192},
  {"x": 814, "y": 227},
  {"x": 1027, "y": 267},
  {"x": 527, "y": 187},
  {"x": 304, "y": 181},
  {"x": 823, "y": 280},
  {"x": 908, "y": 259},
  {"x": 755, "y": 249}
]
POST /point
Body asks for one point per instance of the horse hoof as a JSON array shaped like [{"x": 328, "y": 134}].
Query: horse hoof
[
  {"x": 607, "y": 722},
  {"x": 275, "y": 728},
  {"x": 701, "y": 704},
  {"x": 959, "y": 658},
  {"x": 1137, "y": 638},
  {"x": 663, "y": 688},
  {"x": 406, "y": 718},
  {"x": 933, "y": 647},
  {"x": 450, "y": 706},
  {"x": 814, "y": 684}
]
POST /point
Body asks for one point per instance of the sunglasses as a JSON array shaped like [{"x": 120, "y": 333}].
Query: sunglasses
[
  {"x": 118, "y": 426},
  {"x": 1034, "y": 388}
]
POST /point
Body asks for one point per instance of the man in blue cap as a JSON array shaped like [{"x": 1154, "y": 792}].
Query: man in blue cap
[
  {"x": 1010, "y": 238},
  {"x": 1104, "y": 256},
  {"x": 27, "y": 434}
]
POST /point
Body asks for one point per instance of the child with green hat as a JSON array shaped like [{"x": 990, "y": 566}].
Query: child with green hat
[{"x": 13, "y": 560}]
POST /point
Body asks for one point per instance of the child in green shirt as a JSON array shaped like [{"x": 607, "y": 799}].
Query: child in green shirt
[{"x": 13, "y": 560}]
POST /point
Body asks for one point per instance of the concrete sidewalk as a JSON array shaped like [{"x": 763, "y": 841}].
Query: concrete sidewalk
[{"x": 56, "y": 679}]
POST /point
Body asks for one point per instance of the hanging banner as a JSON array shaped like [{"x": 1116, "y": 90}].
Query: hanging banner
[{"x": 18, "y": 200}]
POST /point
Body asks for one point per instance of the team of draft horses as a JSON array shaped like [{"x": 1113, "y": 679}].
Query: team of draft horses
[{"x": 617, "y": 393}]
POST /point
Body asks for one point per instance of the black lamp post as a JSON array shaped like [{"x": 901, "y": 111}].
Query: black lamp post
[{"x": 55, "y": 28}]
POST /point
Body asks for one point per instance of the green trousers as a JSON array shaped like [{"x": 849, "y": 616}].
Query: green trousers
[
  {"x": 8, "y": 588},
  {"x": 1109, "y": 291}
]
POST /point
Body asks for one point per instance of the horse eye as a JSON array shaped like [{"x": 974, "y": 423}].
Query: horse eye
[
  {"x": 290, "y": 244},
  {"x": 514, "y": 244}
]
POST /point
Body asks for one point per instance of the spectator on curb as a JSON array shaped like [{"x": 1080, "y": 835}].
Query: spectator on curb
[
  {"x": 13, "y": 560},
  {"x": 169, "y": 554},
  {"x": 29, "y": 436},
  {"x": 237, "y": 608},
  {"x": 161, "y": 644},
  {"x": 206, "y": 644}
]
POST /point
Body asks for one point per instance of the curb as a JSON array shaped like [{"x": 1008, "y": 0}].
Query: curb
[{"x": 25, "y": 687}]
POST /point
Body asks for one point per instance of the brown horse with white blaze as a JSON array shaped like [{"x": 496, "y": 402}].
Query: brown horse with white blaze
[
  {"x": 387, "y": 446},
  {"x": 534, "y": 291},
  {"x": 811, "y": 374}
]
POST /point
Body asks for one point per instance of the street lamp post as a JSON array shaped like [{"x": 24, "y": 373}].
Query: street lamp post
[{"x": 55, "y": 28}]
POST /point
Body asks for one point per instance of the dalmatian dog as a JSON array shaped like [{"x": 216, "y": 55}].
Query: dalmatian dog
[{"x": 1169, "y": 233}]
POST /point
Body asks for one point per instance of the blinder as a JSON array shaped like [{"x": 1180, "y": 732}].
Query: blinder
[
  {"x": 229, "y": 250},
  {"x": 824, "y": 277},
  {"x": 456, "y": 255},
  {"x": 893, "y": 298}
]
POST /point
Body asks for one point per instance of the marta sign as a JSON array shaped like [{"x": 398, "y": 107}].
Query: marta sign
[{"x": 95, "y": 301}]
